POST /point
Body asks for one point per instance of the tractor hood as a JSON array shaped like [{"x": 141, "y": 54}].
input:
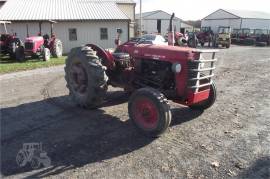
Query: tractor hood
[
  {"x": 34, "y": 39},
  {"x": 163, "y": 52}
]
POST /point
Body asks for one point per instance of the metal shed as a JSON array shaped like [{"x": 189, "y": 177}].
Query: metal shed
[
  {"x": 158, "y": 22},
  {"x": 237, "y": 19}
]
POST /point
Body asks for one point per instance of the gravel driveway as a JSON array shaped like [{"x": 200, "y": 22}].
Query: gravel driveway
[{"x": 229, "y": 140}]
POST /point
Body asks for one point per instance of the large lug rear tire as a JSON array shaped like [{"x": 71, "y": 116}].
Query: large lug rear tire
[
  {"x": 209, "y": 101},
  {"x": 86, "y": 77},
  {"x": 57, "y": 49},
  {"x": 149, "y": 111}
]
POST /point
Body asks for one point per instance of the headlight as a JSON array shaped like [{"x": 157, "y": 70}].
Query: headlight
[{"x": 176, "y": 67}]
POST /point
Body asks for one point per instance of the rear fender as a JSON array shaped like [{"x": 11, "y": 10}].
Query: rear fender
[{"x": 107, "y": 58}]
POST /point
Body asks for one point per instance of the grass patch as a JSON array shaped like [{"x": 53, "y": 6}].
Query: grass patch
[{"x": 8, "y": 65}]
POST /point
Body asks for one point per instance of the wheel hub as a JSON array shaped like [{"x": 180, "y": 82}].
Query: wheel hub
[{"x": 146, "y": 113}]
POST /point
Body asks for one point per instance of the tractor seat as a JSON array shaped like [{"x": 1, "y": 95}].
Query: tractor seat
[
  {"x": 46, "y": 37},
  {"x": 121, "y": 55}
]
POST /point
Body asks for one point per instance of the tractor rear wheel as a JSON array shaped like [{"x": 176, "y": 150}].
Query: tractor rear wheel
[
  {"x": 57, "y": 49},
  {"x": 149, "y": 111},
  {"x": 86, "y": 77},
  {"x": 46, "y": 54}
]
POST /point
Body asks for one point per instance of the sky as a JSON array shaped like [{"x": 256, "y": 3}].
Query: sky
[{"x": 198, "y": 9}]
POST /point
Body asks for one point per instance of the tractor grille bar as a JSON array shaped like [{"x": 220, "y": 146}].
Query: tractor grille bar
[
  {"x": 200, "y": 72},
  {"x": 28, "y": 45}
]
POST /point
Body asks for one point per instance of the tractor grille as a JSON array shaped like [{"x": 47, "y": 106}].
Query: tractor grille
[
  {"x": 28, "y": 45},
  {"x": 200, "y": 72}
]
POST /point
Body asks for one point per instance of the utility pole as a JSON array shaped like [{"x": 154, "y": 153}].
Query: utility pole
[{"x": 140, "y": 18}]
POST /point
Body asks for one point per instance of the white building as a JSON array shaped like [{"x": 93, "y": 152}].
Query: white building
[
  {"x": 78, "y": 21},
  {"x": 158, "y": 22},
  {"x": 237, "y": 19}
]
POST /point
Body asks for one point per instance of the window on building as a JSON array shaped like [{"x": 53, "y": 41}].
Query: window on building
[
  {"x": 103, "y": 34},
  {"x": 72, "y": 34}
]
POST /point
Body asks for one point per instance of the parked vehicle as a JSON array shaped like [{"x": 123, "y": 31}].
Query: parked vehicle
[
  {"x": 152, "y": 39},
  {"x": 9, "y": 42},
  {"x": 202, "y": 37},
  {"x": 223, "y": 37},
  {"x": 262, "y": 37},
  {"x": 41, "y": 46},
  {"x": 151, "y": 73}
]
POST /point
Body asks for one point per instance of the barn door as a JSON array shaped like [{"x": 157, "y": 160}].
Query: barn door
[{"x": 159, "y": 26}]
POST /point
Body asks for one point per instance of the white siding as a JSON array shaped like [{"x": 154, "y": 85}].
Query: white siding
[
  {"x": 150, "y": 26},
  {"x": 129, "y": 10},
  {"x": 214, "y": 24},
  {"x": 87, "y": 32},
  {"x": 256, "y": 23}
]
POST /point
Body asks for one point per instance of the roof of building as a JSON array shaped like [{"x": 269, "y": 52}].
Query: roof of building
[
  {"x": 147, "y": 14},
  {"x": 245, "y": 14},
  {"x": 24, "y": 10},
  {"x": 249, "y": 14}
]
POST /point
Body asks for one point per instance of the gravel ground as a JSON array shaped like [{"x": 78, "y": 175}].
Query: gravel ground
[{"x": 229, "y": 140}]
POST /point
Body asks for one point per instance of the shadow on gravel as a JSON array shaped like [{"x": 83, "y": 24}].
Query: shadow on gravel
[
  {"x": 260, "y": 169},
  {"x": 183, "y": 114},
  {"x": 71, "y": 136}
]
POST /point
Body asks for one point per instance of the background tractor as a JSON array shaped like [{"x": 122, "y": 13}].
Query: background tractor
[
  {"x": 262, "y": 37},
  {"x": 152, "y": 74},
  {"x": 223, "y": 37},
  {"x": 9, "y": 42},
  {"x": 202, "y": 37},
  {"x": 41, "y": 46}
]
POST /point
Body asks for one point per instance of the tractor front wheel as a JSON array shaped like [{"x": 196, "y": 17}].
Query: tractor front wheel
[
  {"x": 19, "y": 54},
  {"x": 149, "y": 111},
  {"x": 86, "y": 77},
  {"x": 57, "y": 49},
  {"x": 46, "y": 54}
]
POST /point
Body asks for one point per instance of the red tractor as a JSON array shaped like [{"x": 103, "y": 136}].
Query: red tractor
[
  {"x": 262, "y": 37},
  {"x": 9, "y": 42},
  {"x": 152, "y": 74},
  {"x": 202, "y": 37},
  {"x": 40, "y": 46}
]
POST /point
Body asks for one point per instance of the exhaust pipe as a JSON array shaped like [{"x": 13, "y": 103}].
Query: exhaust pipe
[{"x": 171, "y": 39}]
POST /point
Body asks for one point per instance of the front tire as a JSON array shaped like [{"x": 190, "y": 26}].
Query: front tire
[
  {"x": 149, "y": 111},
  {"x": 19, "y": 54},
  {"x": 46, "y": 54},
  {"x": 86, "y": 77},
  {"x": 57, "y": 49}
]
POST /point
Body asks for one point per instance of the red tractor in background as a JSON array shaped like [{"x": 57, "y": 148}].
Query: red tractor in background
[
  {"x": 202, "y": 37},
  {"x": 40, "y": 46},
  {"x": 152, "y": 74},
  {"x": 9, "y": 42},
  {"x": 262, "y": 37}
]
